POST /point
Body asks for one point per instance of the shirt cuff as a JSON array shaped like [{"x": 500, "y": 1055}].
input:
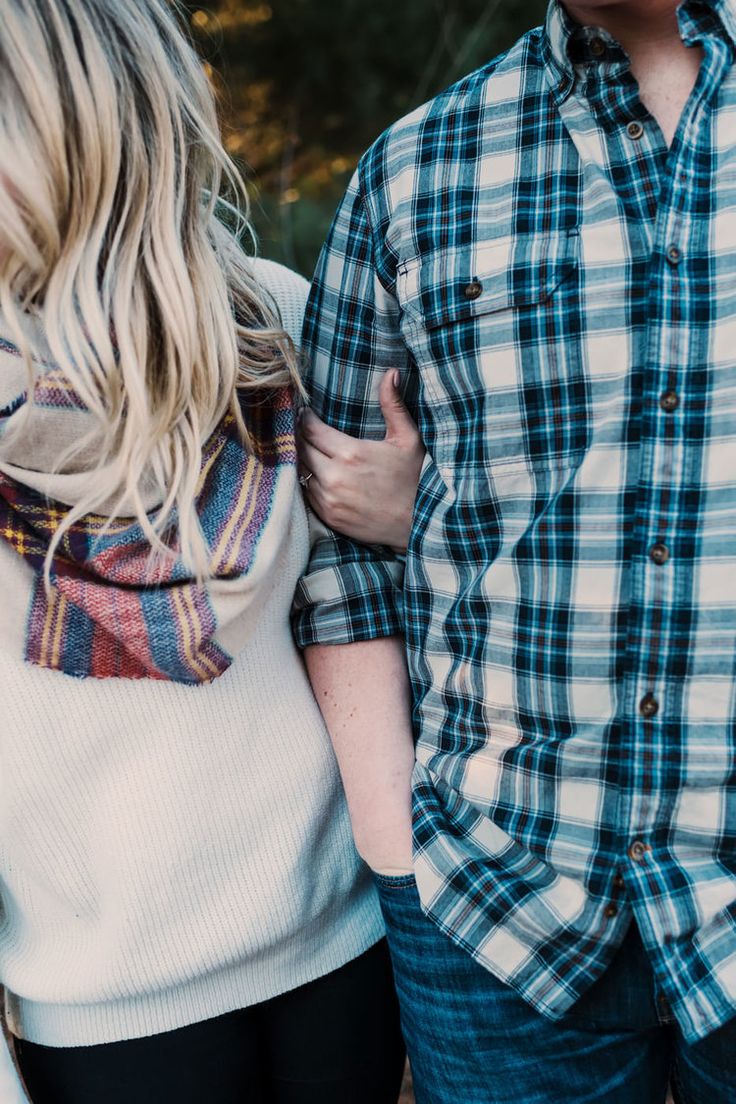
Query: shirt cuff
[{"x": 349, "y": 602}]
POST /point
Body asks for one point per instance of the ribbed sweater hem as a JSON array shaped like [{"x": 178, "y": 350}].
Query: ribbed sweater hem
[{"x": 213, "y": 994}]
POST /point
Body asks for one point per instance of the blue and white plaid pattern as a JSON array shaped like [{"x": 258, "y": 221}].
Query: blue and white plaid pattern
[{"x": 559, "y": 292}]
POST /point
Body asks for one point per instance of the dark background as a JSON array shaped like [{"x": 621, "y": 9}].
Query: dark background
[{"x": 306, "y": 85}]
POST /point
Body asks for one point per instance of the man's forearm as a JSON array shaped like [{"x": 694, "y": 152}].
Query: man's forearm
[{"x": 363, "y": 692}]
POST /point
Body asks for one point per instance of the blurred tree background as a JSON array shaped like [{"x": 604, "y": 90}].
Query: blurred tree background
[{"x": 306, "y": 85}]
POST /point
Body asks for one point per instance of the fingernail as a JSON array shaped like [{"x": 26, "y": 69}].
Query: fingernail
[{"x": 396, "y": 379}]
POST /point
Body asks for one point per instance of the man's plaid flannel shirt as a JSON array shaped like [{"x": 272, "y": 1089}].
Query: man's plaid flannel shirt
[{"x": 559, "y": 291}]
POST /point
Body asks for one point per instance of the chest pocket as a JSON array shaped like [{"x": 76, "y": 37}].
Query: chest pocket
[{"x": 495, "y": 332}]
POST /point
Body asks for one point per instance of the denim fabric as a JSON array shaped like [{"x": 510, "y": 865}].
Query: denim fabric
[{"x": 474, "y": 1040}]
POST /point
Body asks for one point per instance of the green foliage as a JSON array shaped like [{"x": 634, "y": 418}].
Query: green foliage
[{"x": 306, "y": 85}]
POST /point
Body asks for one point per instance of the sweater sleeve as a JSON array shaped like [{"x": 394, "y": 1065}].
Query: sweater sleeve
[{"x": 289, "y": 291}]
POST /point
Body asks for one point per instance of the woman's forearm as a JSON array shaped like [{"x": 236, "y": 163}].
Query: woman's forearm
[{"x": 363, "y": 692}]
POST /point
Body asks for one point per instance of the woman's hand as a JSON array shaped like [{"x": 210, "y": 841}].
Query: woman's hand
[{"x": 364, "y": 489}]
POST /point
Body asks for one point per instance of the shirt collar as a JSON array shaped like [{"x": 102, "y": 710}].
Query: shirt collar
[
  {"x": 726, "y": 12},
  {"x": 559, "y": 28},
  {"x": 698, "y": 17},
  {"x": 570, "y": 47}
]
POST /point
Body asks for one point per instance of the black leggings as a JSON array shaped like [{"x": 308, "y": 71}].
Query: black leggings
[{"x": 329, "y": 1042}]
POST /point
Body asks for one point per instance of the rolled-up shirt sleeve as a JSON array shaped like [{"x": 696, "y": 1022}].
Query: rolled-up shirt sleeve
[{"x": 351, "y": 591}]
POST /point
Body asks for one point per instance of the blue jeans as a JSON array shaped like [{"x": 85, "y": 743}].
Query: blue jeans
[{"x": 472, "y": 1040}]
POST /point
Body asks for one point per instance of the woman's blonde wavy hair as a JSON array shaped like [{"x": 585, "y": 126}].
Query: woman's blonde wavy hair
[{"x": 114, "y": 230}]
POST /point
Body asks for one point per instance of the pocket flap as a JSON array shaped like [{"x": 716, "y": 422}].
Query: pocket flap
[{"x": 451, "y": 285}]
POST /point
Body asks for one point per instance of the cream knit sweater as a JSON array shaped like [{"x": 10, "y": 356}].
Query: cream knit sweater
[{"x": 169, "y": 853}]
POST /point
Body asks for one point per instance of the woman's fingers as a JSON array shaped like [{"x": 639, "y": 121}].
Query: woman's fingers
[
  {"x": 401, "y": 429},
  {"x": 327, "y": 440},
  {"x": 334, "y": 490},
  {"x": 314, "y": 461},
  {"x": 364, "y": 489}
]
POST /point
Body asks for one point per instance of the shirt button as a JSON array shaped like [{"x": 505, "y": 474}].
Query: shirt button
[
  {"x": 635, "y": 130},
  {"x": 649, "y": 706},
  {"x": 669, "y": 401},
  {"x": 610, "y": 911},
  {"x": 618, "y": 882},
  {"x": 597, "y": 47},
  {"x": 674, "y": 255},
  {"x": 659, "y": 553},
  {"x": 638, "y": 850},
  {"x": 473, "y": 289}
]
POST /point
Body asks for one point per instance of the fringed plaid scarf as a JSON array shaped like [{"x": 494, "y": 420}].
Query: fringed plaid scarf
[{"x": 103, "y": 616}]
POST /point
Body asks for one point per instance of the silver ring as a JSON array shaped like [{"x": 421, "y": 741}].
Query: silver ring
[{"x": 304, "y": 479}]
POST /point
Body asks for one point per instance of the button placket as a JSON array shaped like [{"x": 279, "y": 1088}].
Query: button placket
[{"x": 658, "y": 552}]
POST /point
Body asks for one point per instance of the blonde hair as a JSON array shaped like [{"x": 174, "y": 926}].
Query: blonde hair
[{"x": 113, "y": 229}]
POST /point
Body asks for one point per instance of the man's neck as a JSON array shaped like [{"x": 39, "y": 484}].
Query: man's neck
[
  {"x": 649, "y": 32},
  {"x": 638, "y": 26}
]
